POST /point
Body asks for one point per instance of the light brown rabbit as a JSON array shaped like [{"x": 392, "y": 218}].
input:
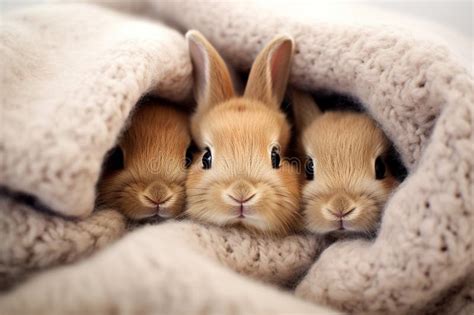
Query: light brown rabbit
[
  {"x": 241, "y": 177},
  {"x": 348, "y": 181},
  {"x": 152, "y": 178}
]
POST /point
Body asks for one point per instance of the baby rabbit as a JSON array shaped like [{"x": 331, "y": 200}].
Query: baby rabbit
[
  {"x": 151, "y": 180},
  {"x": 348, "y": 181},
  {"x": 241, "y": 177}
]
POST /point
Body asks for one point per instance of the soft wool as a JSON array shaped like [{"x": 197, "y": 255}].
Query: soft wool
[
  {"x": 31, "y": 241},
  {"x": 67, "y": 96},
  {"x": 152, "y": 271},
  {"x": 71, "y": 93}
]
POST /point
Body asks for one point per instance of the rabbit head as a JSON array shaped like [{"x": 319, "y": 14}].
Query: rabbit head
[
  {"x": 348, "y": 181},
  {"x": 152, "y": 178},
  {"x": 241, "y": 176}
]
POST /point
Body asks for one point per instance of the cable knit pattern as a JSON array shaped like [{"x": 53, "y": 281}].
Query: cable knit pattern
[{"x": 78, "y": 85}]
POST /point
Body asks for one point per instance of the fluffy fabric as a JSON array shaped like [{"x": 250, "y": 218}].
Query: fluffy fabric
[
  {"x": 69, "y": 82},
  {"x": 32, "y": 241},
  {"x": 71, "y": 92},
  {"x": 425, "y": 103},
  {"x": 159, "y": 274}
]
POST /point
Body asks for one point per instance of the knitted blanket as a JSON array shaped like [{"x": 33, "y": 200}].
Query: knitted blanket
[{"x": 71, "y": 74}]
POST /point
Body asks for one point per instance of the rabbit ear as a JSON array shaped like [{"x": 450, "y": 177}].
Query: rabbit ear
[
  {"x": 305, "y": 109},
  {"x": 212, "y": 81},
  {"x": 269, "y": 74}
]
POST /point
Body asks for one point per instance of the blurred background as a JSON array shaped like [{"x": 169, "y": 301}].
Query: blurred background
[
  {"x": 455, "y": 14},
  {"x": 447, "y": 22}
]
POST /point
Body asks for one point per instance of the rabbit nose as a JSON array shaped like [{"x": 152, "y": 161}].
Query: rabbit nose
[
  {"x": 340, "y": 206},
  {"x": 157, "y": 201},
  {"x": 157, "y": 194},
  {"x": 241, "y": 192},
  {"x": 241, "y": 199},
  {"x": 340, "y": 202},
  {"x": 341, "y": 213}
]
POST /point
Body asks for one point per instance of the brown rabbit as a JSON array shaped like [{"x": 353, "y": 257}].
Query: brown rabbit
[
  {"x": 241, "y": 177},
  {"x": 348, "y": 181},
  {"x": 152, "y": 180}
]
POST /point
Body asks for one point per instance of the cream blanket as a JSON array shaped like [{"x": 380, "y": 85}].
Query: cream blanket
[{"x": 71, "y": 74}]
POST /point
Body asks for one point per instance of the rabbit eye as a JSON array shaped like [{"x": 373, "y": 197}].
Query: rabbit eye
[
  {"x": 276, "y": 159},
  {"x": 115, "y": 160},
  {"x": 309, "y": 168},
  {"x": 188, "y": 159},
  {"x": 379, "y": 168},
  {"x": 207, "y": 159}
]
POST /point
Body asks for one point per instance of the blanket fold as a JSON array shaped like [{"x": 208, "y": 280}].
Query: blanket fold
[
  {"x": 32, "y": 241},
  {"x": 159, "y": 274},
  {"x": 71, "y": 76},
  {"x": 66, "y": 98}
]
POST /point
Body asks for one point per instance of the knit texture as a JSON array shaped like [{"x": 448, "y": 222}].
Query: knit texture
[
  {"x": 33, "y": 241},
  {"x": 66, "y": 97},
  {"x": 71, "y": 93},
  {"x": 425, "y": 103},
  {"x": 152, "y": 271}
]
